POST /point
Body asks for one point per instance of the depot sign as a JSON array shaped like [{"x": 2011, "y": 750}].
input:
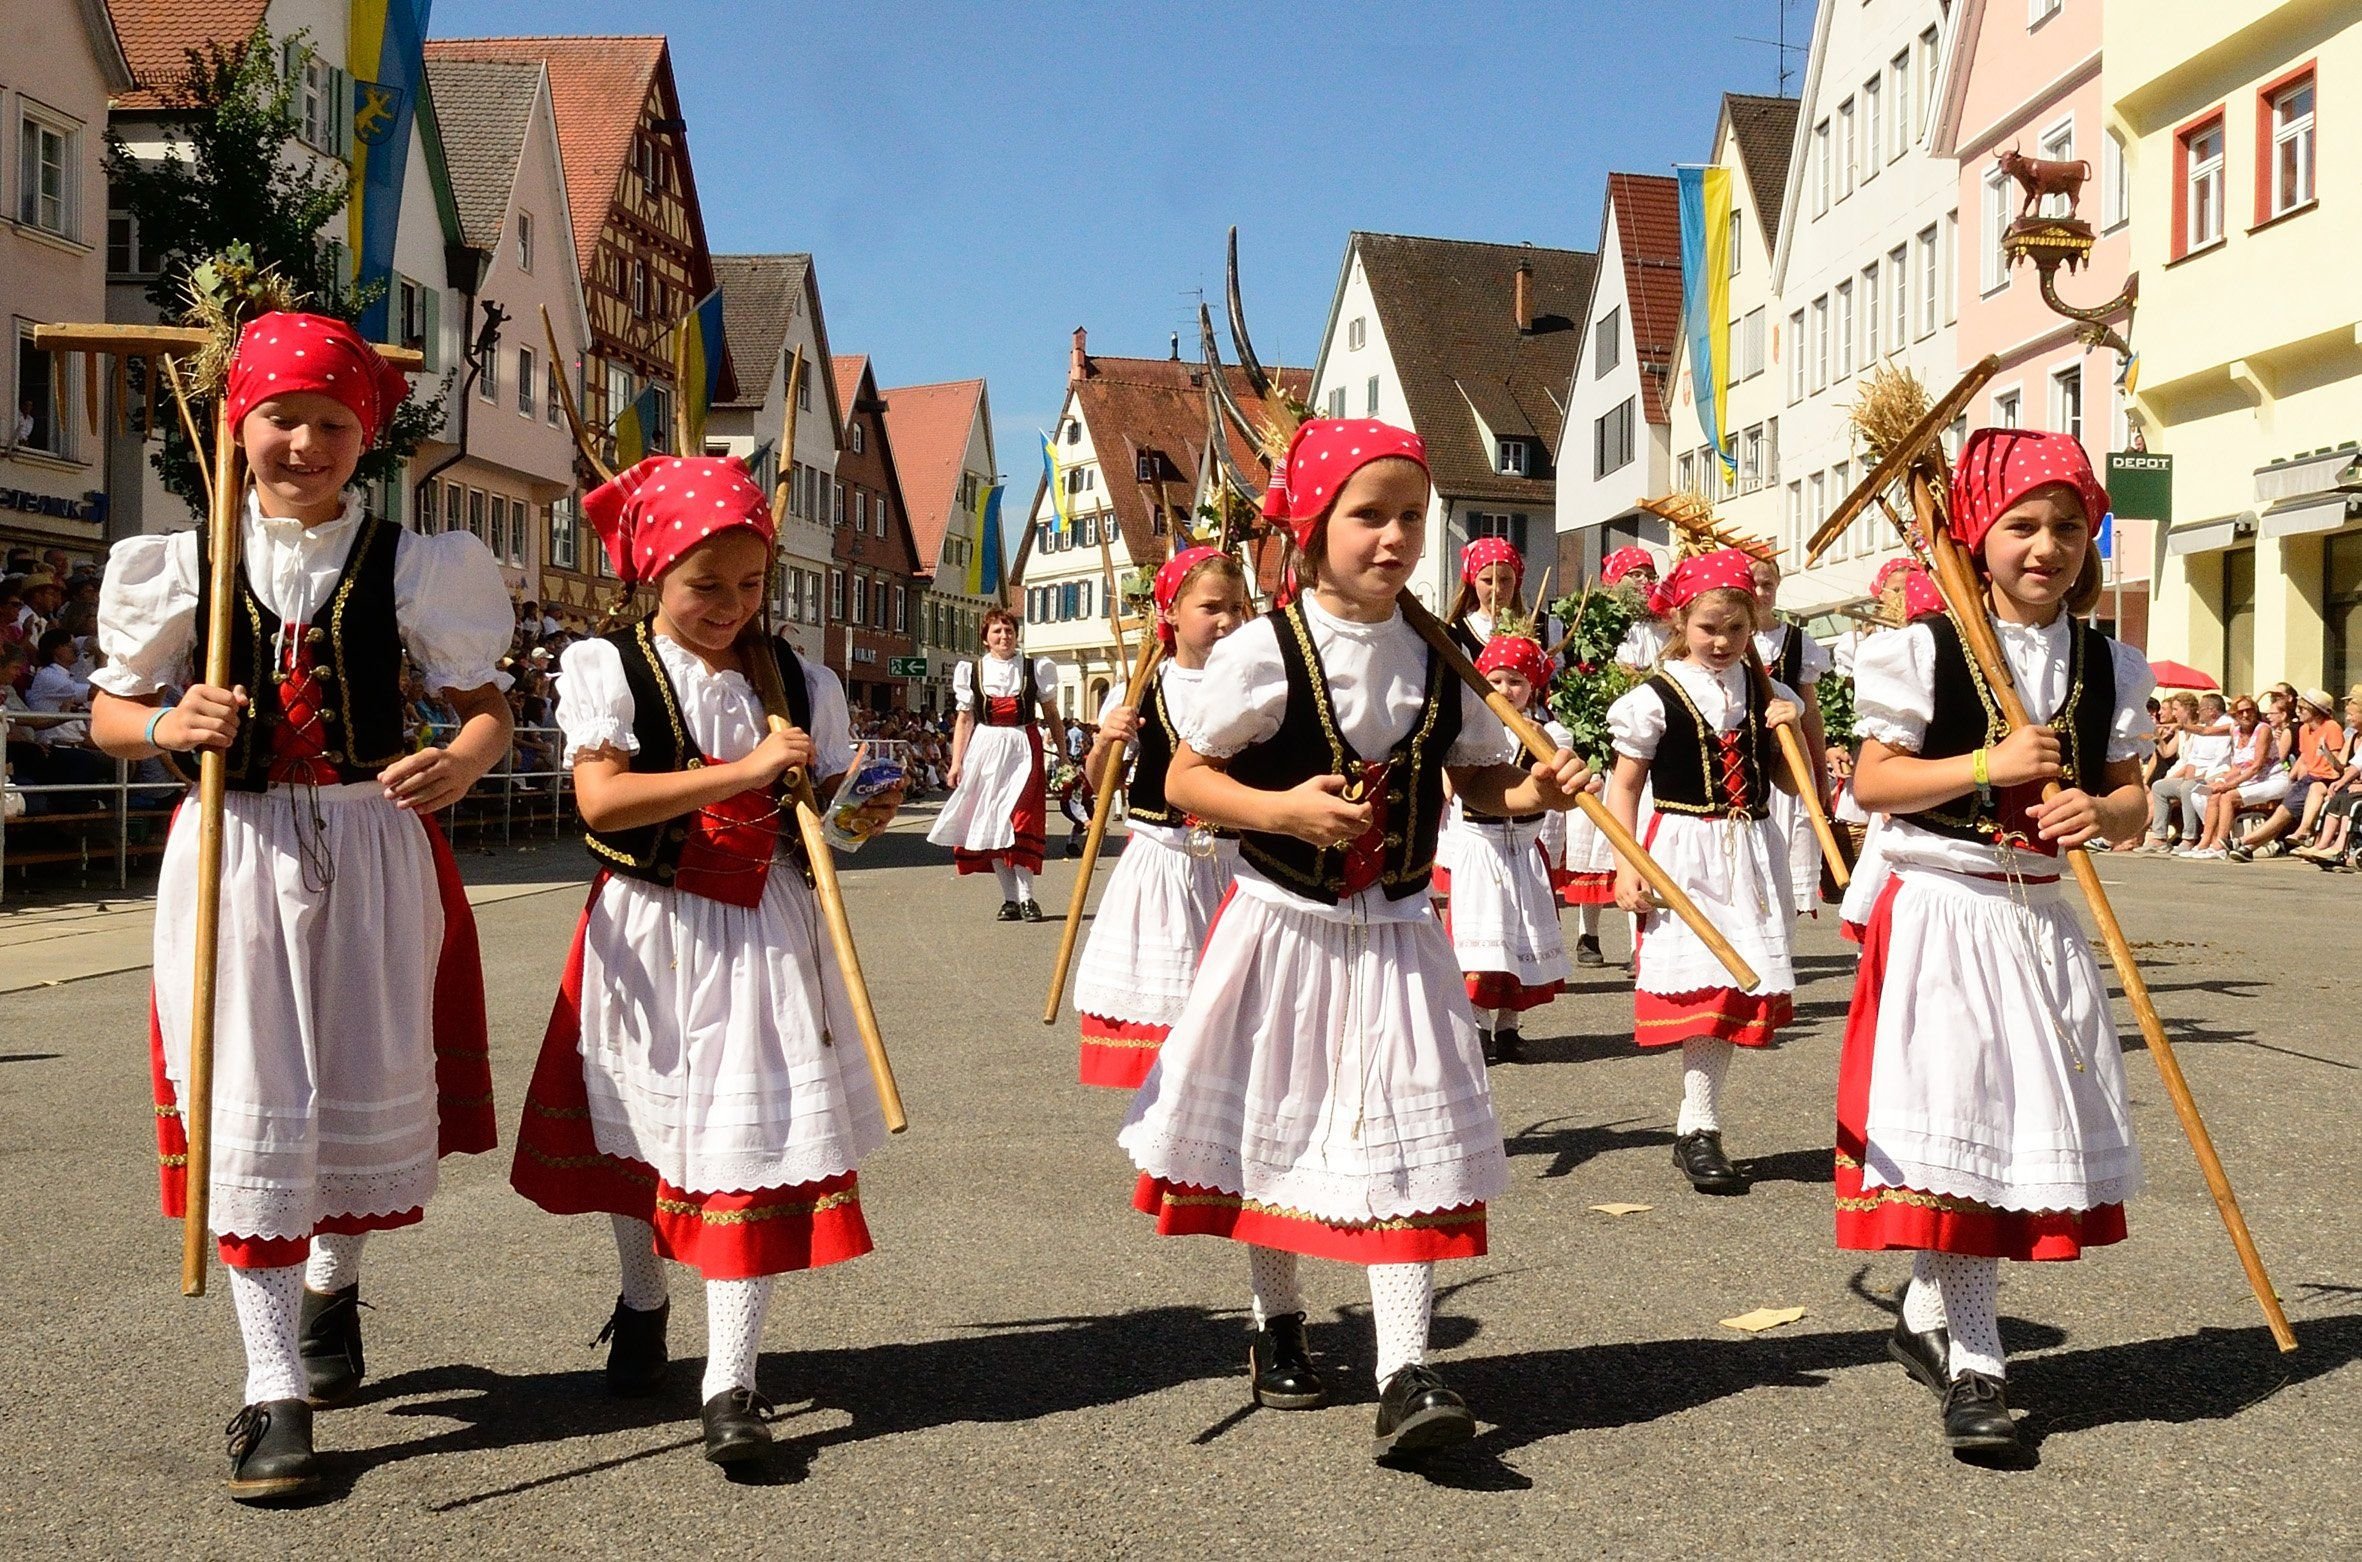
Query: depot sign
[{"x": 2140, "y": 485}]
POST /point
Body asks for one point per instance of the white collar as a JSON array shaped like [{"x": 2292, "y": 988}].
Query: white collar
[{"x": 285, "y": 527}]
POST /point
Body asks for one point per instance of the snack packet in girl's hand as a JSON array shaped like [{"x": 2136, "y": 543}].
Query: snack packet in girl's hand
[{"x": 846, "y": 827}]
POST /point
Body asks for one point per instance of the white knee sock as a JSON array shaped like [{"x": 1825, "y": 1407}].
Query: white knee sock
[
  {"x": 642, "y": 1270},
  {"x": 1923, "y": 1299},
  {"x": 270, "y": 1316},
  {"x": 1272, "y": 1272},
  {"x": 1402, "y": 1298},
  {"x": 1024, "y": 878},
  {"x": 733, "y": 1332},
  {"x": 1488, "y": 1019},
  {"x": 1006, "y": 874},
  {"x": 1704, "y": 1061},
  {"x": 1587, "y": 921},
  {"x": 1972, "y": 1310},
  {"x": 335, "y": 1262}
]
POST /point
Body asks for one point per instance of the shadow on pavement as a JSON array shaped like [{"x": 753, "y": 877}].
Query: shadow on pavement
[{"x": 1570, "y": 1147}]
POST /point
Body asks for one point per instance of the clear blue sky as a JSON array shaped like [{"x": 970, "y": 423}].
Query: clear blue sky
[{"x": 974, "y": 181}]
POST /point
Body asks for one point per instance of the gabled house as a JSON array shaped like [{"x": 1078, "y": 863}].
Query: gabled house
[
  {"x": 638, "y": 235},
  {"x": 1472, "y": 346},
  {"x": 507, "y": 470},
  {"x": 1618, "y": 448},
  {"x": 942, "y": 437},
  {"x": 1753, "y": 137},
  {"x": 1132, "y": 452},
  {"x": 873, "y": 583},
  {"x": 770, "y": 312}
]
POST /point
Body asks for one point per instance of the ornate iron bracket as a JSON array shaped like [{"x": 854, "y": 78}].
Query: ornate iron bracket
[{"x": 2052, "y": 242}]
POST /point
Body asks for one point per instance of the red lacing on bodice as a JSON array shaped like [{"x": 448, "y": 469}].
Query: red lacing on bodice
[{"x": 299, "y": 738}]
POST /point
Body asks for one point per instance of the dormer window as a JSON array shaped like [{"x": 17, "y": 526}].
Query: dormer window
[{"x": 1514, "y": 458}]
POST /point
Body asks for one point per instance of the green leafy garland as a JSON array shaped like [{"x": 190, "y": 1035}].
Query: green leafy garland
[
  {"x": 1836, "y": 692},
  {"x": 1590, "y": 679}
]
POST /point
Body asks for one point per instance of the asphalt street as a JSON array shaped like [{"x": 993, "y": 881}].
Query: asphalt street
[{"x": 1024, "y": 1369}]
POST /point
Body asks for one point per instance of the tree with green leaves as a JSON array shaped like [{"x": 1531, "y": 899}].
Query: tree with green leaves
[{"x": 226, "y": 186}]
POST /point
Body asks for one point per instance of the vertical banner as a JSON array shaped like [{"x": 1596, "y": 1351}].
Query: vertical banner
[
  {"x": 984, "y": 559},
  {"x": 1057, "y": 481},
  {"x": 386, "y": 55},
  {"x": 701, "y": 365},
  {"x": 1705, "y": 299}
]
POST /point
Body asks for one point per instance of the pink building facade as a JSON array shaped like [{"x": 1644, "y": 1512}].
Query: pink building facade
[{"x": 2026, "y": 76}]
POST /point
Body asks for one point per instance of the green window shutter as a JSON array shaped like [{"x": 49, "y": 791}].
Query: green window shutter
[
  {"x": 432, "y": 299},
  {"x": 291, "y": 54},
  {"x": 340, "y": 93}
]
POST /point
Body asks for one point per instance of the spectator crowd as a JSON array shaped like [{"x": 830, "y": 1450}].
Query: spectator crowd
[{"x": 2247, "y": 776}]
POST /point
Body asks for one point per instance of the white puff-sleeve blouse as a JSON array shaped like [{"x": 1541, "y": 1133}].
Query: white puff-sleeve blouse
[
  {"x": 720, "y": 709},
  {"x": 1894, "y": 684}
]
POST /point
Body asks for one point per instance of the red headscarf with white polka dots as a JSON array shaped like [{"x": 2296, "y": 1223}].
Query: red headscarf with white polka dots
[
  {"x": 282, "y": 353},
  {"x": 658, "y": 510},
  {"x": 1485, "y": 552},
  {"x": 1519, "y": 654},
  {"x": 1623, "y": 562},
  {"x": 1324, "y": 453},
  {"x": 1725, "y": 569},
  {"x": 2000, "y": 466}
]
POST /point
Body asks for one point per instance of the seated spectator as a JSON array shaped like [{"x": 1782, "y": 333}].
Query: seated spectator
[
  {"x": 2317, "y": 752},
  {"x": 2255, "y": 775},
  {"x": 2200, "y": 736},
  {"x": 24, "y": 750},
  {"x": 2335, "y": 842},
  {"x": 56, "y": 687}
]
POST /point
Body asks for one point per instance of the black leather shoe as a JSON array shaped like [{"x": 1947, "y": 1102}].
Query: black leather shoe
[
  {"x": 271, "y": 1458},
  {"x": 734, "y": 1429},
  {"x": 1508, "y": 1047},
  {"x": 1587, "y": 951},
  {"x": 1280, "y": 1367},
  {"x": 636, "y": 1356},
  {"x": 1029, "y": 911},
  {"x": 1976, "y": 1417},
  {"x": 1925, "y": 1354},
  {"x": 330, "y": 1344},
  {"x": 1074, "y": 846},
  {"x": 1700, "y": 1157},
  {"x": 1007, "y": 913},
  {"x": 1417, "y": 1414},
  {"x": 1484, "y": 1040}
]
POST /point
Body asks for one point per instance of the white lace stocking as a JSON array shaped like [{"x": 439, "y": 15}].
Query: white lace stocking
[
  {"x": 1272, "y": 1272},
  {"x": 733, "y": 1332},
  {"x": 270, "y": 1316},
  {"x": 1704, "y": 1061},
  {"x": 1402, "y": 1298},
  {"x": 335, "y": 1262},
  {"x": 642, "y": 1270},
  {"x": 1971, "y": 1289}
]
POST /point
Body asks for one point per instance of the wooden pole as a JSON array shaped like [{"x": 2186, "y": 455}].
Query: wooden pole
[
  {"x": 1152, "y": 651},
  {"x": 212, "y": 789},
  {"x": 1808, "y": 788},
  {"x": 681, "y": 391},
  {"x": 831, "y": 895},
  {"x": 1966, "y": 598},
  {"x": 1115, "y": 607},
  {"x": 1537, "y": 743}
]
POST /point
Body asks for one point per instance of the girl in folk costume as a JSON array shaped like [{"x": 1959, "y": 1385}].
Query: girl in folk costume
[
  {"x": 1490, "y": 599},
  {"x": 999, "y": 800},
  {"x": 1174, "y": 872},
  {"x": 1635, "y": 569},
  {"x": 1795, "y": 660},
  {"x": 1323, "y": 1091},
  {"x": 1981, "y": 1109},
  {"x": 1906, "y": 594},
  {"x": 700, "y": 1083},
  {"x": 350, "y": 1004},
  {"x": 1698, "y": 733},
  {"x": 1503, "y": 920}
]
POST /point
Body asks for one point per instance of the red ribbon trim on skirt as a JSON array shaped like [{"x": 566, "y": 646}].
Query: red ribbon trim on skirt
[
  {"x": 724, "y": 1236},
  {"x": 465, "y": 1123},
  {"x": 1119, "y": 1053},
  {"x": 1184, "y": 1210},
  {"x": 1722, "y": 1013},
  {"x": 1878, "y": 1219},
  {"x": 1028, "y": 821},
  {"x": 1502, "y": 990}
]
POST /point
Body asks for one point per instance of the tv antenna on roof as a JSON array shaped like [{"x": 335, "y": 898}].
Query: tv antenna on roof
[{"x": 1784, "y": 47}]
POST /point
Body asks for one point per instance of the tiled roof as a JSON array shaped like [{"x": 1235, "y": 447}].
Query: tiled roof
[
  {"x": 848, "y": 369},
  {"x": 759, "y": 294},
  {"x": 1156, "y": 407},
  {"x": 1447, "y": 308},
  {"x": 1648, "y": 226},
  {"x": 157, "y": 35},
  {"x": 1766, "y": 131},
  {"x": 597, "y": 89},
  {"x": 483, "y": 108},
  {"x": 929, "y": 425}
]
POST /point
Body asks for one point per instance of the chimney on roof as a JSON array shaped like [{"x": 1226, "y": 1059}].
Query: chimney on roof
[
  {"x": 1522, "y": 300},
  {"x": 1078, "y": 367},
  {"x": 1176, "y": 346}
]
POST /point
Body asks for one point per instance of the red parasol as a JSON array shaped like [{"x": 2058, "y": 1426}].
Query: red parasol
[{"x": 2178, "y": 675}]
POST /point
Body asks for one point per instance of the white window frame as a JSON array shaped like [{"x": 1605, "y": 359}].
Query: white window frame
[
  {"x": 1738, "y": 232},
  {"x": 2067, "y": 386},
  {"x": 1898, "y": 71},
  {"x": 2058, "y": 145},
  {"x": 2040, "y": 11},
  {"x": 2297, "y": 135},
  {"x": 1796, "y": 357},
  {"x": 2115, "y": 183},
  {"x": 1792, "y": 533},
  {"x": 2000, "y": 210},
  {"x": 1843, "y": 328},
  {"x": 1871, "y": 311},
  {"x": 1512, "y": 458},
  {"x": 1824, "y": 177},
  {"x": 1357, "y": 333},
  {"x": 1607, "y": 342},
  {"x": 488, "y": 381},
  {"x": 1820, "y": 344},
  {"x": 1755, "y": 333},
  {"x": 528, "y": 398},
  {"x": 1898, "y": 282},
  {"x": 525, "y": 242},
  {"x": 854, "y": 437},
  {"x": 1371, "y": 398},
  {"x": 1928, "y": 280},
  {"x": 1751, "y": 459},
  {"x": 1847, "y": 152},
  {"x": 36, "y": 122},
  {"x": 1931, "y": 50},
  {"x": 2206, "y": 185},
  {"x": 2009, "y": 407}
]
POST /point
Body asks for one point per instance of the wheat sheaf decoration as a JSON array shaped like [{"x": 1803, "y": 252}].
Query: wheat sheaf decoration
[
  {"x": 1891, "y": 404},
  {"x": 223, "y": 292}
]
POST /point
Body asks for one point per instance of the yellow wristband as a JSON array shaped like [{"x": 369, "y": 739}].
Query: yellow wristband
[{"x": 1978, "y": 770}]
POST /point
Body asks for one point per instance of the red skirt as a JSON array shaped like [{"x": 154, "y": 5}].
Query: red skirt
[
  {"x": 724, "y": 1236},
  {"x": 1119, "y": 1053},
  {"x": 1722, "y": 1013},
  {"x": 1182, "y": 1210},
  {"x": 1501, "y": 990},
  {"x": 1877, "y": 1219},
  {"x": 465, "y": 1124},
  {"x": 1027, "y": 822},
  {"x": 1584, "y": 889}
]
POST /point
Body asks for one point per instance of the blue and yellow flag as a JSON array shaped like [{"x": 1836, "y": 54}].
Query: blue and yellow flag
[
  {"x": 386, "y": 55},
  {"x": 701, "y": 364},
  {"x": 1057, "y": 481},
  {"x": 639, "y": 430},
  {"x": 984, "y": 559},
  {"x": 1705, "y": 299}
]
